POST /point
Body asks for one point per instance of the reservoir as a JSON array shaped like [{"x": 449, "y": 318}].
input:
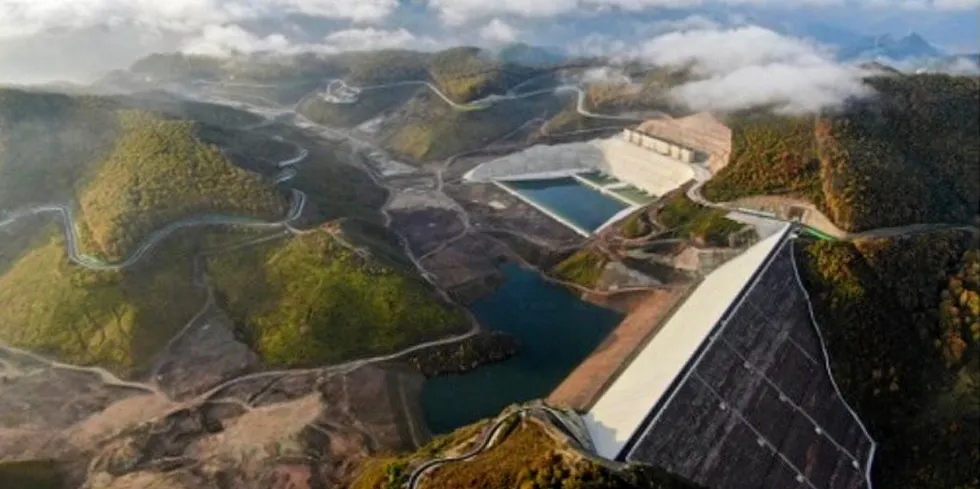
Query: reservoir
[
  {"x": 556, "y": 331},
  {"x": 570, "y": 199}
]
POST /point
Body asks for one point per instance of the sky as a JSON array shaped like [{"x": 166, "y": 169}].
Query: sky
[{"x": 736, "y": 44}]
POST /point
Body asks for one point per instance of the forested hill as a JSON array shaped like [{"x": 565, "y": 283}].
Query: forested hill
[
  {"x": 901, "y": 318},
  {"x": 128, "y": 170},
  {"x": 910, "y": 154},
  {"x": 463, "y": 73}
]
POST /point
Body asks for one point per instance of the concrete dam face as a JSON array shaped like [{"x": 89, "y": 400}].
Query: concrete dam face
[{"x": 756, "y": 406}]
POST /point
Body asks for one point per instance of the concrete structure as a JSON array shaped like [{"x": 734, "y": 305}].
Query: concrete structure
[
  {"x": 652, "y": 172},
  {"x": 735, "y": 389},
  {"x": 658, "y": 144},
  {"x": 711, "y": 138}
]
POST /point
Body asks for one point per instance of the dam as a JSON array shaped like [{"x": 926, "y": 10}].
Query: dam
[{"x": 588, "y": 185}]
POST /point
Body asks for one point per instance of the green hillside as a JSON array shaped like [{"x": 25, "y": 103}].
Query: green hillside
[
  {"x": 431, "y": 130},
  {"x": 116, "y": 319},
  {"x": 911, "y": 154},
  {"x": 159, "y": 171},
  {"x": 310, "y": 301},
  {"x": 34, "y": 474},
  {"x": 900, "y": 317},
  {"x": 47, "y": 141},
  {"x": 526, "y": 456}
]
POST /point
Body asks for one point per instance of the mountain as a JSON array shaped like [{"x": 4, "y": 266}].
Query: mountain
[
  {"x": 910, "y": 155},
  {"x": 526, "y": 54},
  {"x": 909, "y": 47}
]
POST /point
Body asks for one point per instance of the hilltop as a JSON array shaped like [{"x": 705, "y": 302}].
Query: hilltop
[
  {"x": 310, "y": 301},
  {"x": 529, "y": 451},
  {"x": 910, "y": 154}
]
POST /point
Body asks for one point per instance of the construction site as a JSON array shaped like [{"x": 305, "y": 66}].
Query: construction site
[{"x": 588, "y": 185}]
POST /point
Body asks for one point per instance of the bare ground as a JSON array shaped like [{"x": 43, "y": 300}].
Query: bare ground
[{"x": 587, "y": 382}]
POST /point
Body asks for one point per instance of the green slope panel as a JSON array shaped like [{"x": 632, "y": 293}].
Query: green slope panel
[
  {"x": 159, "y": 171},
  {"x": 311, "y": 301}
]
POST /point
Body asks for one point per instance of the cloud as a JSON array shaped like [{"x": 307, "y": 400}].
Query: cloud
[
  {"x": 226, "y": 40},
  {"x": 752, "y": 66},
  {"x": 457, "y": 12},
  {"x": 955, "y": 5},
  {"x": 22, "y": 18},
  {"x": 498, "y": 32},
  {"x": 605, "y": 75}
]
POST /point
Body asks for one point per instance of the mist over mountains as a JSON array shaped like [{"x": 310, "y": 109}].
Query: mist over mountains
[{"x": 43, "y": 40}]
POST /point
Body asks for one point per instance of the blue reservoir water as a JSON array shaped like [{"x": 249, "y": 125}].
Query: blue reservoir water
[
  {"x": 556, "y": 331},
  {"x": 581, "y": 205}
]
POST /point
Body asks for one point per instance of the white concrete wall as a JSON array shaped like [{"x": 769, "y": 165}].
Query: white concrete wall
[
  {"x": 655, "y": 173},
  {"x": 644, "y": 168}
]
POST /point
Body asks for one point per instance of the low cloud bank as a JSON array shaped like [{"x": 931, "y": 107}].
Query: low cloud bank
[
  {"x": 751, "y": 66},
  {"x": 226, "y": 40}
]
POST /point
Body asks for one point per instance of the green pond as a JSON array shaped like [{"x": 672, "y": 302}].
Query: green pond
[{"x": 556, "y": 331}]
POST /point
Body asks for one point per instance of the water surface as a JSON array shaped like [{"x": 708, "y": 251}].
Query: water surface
[
  {"x": 556, "y": 330},
  {"x": 574, "y": 201}
]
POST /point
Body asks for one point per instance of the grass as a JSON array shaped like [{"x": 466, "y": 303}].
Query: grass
[
  {"x": 158, "y": 172},
  {"x": 312, "y": 302},
  {"x": 697, "y": 222},
  {"x": 530, "y": 459},
  {"x": 32, "y": 474},
  {"x": 117, "y": 319},
  {"x": 584, "y": 268},
  {"x": 434, "y": 131},
  {"x": 637, "y": 225}
]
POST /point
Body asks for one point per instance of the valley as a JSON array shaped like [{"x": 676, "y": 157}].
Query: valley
[{"x": 292, "y": 302}]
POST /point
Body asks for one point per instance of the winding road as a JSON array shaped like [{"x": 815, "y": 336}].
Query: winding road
[
  {"x": 350, "y": 96},
  {"x": 299, "y": 200}
]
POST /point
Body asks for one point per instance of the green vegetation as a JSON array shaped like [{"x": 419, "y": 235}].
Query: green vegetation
[
  {"x": 47, "y": 141},
  {"x": 33, "y": 474},
  {"x": 116, "y": 319},
  {"x": 886, "y": 308},
  {"x": 468, "y": 73},
  {"x": 369, "y": 104},
  {"x": 529, "y": 459},
  {"x": 311, "y": 301},
  {"x": 637, "y": 225},
  {"x": 159, "y": 172},
  {"x": 909, "y": 155},
  {"x": 583, "y": 268},
  {"x": 770, "y": 156},
  {"x": 435, "y": 131},
  {"x": 702, "y": 224}
]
